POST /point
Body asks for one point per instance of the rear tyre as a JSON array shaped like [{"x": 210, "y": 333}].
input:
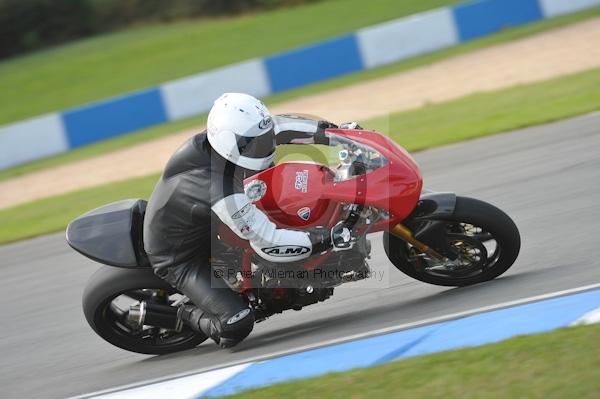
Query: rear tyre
[
  {"x": 487, "y": 239},
  {"x": 106, "y": 301}
]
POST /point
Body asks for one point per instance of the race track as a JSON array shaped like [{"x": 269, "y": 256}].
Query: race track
[{"x": 546, "y": 178}]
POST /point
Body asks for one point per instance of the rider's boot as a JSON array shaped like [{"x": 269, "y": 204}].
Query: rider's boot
[{"x": 201, "y": 322}]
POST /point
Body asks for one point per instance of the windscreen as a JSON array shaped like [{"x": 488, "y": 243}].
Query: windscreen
[{"x": 354, "y": 158}]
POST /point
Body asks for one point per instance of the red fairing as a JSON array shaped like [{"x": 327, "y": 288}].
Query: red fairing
[
  {"x": 301, "y": 194},
  {"x": 395, "y": 187},
  {"x": 294, "y": 194}
]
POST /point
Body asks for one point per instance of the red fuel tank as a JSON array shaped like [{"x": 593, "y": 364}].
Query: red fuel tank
[{"x": 290, "y": 194}]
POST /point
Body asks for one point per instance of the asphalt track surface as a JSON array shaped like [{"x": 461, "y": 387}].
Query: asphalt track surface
[{"x": 547, "y": 178}]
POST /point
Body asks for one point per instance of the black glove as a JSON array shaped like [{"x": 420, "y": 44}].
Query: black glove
[
  {"x": 320, "y": 137},
  {"x": 327, "y": 125},
  {"x": 320, "y": 238}
]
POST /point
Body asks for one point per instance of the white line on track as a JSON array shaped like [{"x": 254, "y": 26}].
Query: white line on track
[{"x": 353, "y": 337}]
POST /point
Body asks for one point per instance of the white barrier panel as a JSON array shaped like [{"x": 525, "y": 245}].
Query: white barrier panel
[
  {"x": 32, "y": 139},
  {"x": 552, "y": 8},
  {"x": 392, "y": 41},
  {"x": 195, "y": 94}
]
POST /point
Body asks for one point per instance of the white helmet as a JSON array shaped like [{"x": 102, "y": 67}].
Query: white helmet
[{"x": 240, "y": 129}]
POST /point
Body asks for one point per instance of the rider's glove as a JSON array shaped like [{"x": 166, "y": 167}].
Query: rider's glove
[
  {"x": 320, "y": 238},
  {"x": 320, "y": 137},
  {"x": 327, "y": 125},
  {"x": 351, "y": 125}
]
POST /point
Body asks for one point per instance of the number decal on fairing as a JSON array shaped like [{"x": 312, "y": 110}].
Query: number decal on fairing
[{"x": 302, "y": 181}]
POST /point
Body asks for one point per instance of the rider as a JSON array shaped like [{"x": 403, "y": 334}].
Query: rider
[{"x": 201, "y": 187}]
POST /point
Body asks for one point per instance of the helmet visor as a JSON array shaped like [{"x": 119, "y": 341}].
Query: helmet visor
[{"x": 257, "y": 147}]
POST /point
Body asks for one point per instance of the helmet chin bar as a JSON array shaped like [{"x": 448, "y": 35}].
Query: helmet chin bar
[
  {"x": 253, "y": 163},
  {"x": 231, "y": 153}
]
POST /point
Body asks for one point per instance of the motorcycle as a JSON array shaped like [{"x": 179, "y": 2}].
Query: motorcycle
[{"x": 376, "y": 187}]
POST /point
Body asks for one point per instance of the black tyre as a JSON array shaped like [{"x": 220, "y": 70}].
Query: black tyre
[
  {"x": 486, "y": 238},
  {"x": 105, "y": 305}
]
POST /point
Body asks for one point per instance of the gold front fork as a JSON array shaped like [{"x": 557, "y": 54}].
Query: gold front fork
[{"x": 404, "y": 232}]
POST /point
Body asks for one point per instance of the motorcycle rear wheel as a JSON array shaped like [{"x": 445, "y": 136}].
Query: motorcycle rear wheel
[
  {"x": 484, "y": 235},
  {"x": 105, "y": 300}
]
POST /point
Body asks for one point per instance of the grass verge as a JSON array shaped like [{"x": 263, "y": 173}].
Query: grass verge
[
  {"x": 470, "y": 117},
  {"x": 560, "y": 364},
  {"x": 54, "y": 213},
  {"x": 483, "y": 114},
  {"x": 165, "y": 129},
  {"x": 108, "y": 65}
]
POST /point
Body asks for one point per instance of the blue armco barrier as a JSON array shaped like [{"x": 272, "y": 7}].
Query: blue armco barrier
[
  {"x": 114, "y": 117},
  {"x": 406, "y": 37},
  {"x": 181, "y": 97},
  {"x": 306, "y": 65},
  {"x": 32, "y": 139},
  {"x": 370, "y": 47},
  {"x": 552, "y": 8},
  {"x": 483, "y": 17}
]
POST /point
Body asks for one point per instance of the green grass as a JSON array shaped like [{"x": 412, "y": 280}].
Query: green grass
[
  {"x": 165, "y": 129},
  {"x": 143, "y": 56},
  {"x": 470, "y": 117},
  {"x": 483, "y": 114},
  {"x": 53, "y": 213},
  {"x": 560, "y": 364}
]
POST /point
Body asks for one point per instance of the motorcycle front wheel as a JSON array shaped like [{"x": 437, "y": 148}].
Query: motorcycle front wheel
[
  {"x": 486, "y": 239},
  {"x": 110, "y": 294}
]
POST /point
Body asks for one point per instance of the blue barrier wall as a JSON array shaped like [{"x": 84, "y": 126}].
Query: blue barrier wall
[
  {"x": 114, "y": 117},
  {"x": 488, "y": 16},
  {"x": 306, "y": 65},
  {"x": 368, "y": 48}
]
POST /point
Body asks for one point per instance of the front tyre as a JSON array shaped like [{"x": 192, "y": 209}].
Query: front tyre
[
  {"x": 487, "y": 240},
  {"x": 107, "y": 299}
]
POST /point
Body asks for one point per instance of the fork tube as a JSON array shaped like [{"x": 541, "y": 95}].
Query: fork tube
[{"x": 404, "y": 232}]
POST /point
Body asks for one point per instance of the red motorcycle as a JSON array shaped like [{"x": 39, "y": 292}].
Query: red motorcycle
[{"x": 376, "y": 186}]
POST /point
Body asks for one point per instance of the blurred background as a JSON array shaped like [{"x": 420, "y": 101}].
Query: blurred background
[
  {"x": 37, "y": 24},
  {"x": 95, "y": 95}
]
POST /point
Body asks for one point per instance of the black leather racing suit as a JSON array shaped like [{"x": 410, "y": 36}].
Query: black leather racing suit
[{"x": 197, "y": 192}]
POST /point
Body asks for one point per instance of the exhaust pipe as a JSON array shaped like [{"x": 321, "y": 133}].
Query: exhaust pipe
[{"x": 153, "y": 314}]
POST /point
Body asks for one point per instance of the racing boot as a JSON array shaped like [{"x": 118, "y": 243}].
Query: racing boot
[
  {"x": 200, "y": 322},
  {"x": 203, "y": 323}
]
